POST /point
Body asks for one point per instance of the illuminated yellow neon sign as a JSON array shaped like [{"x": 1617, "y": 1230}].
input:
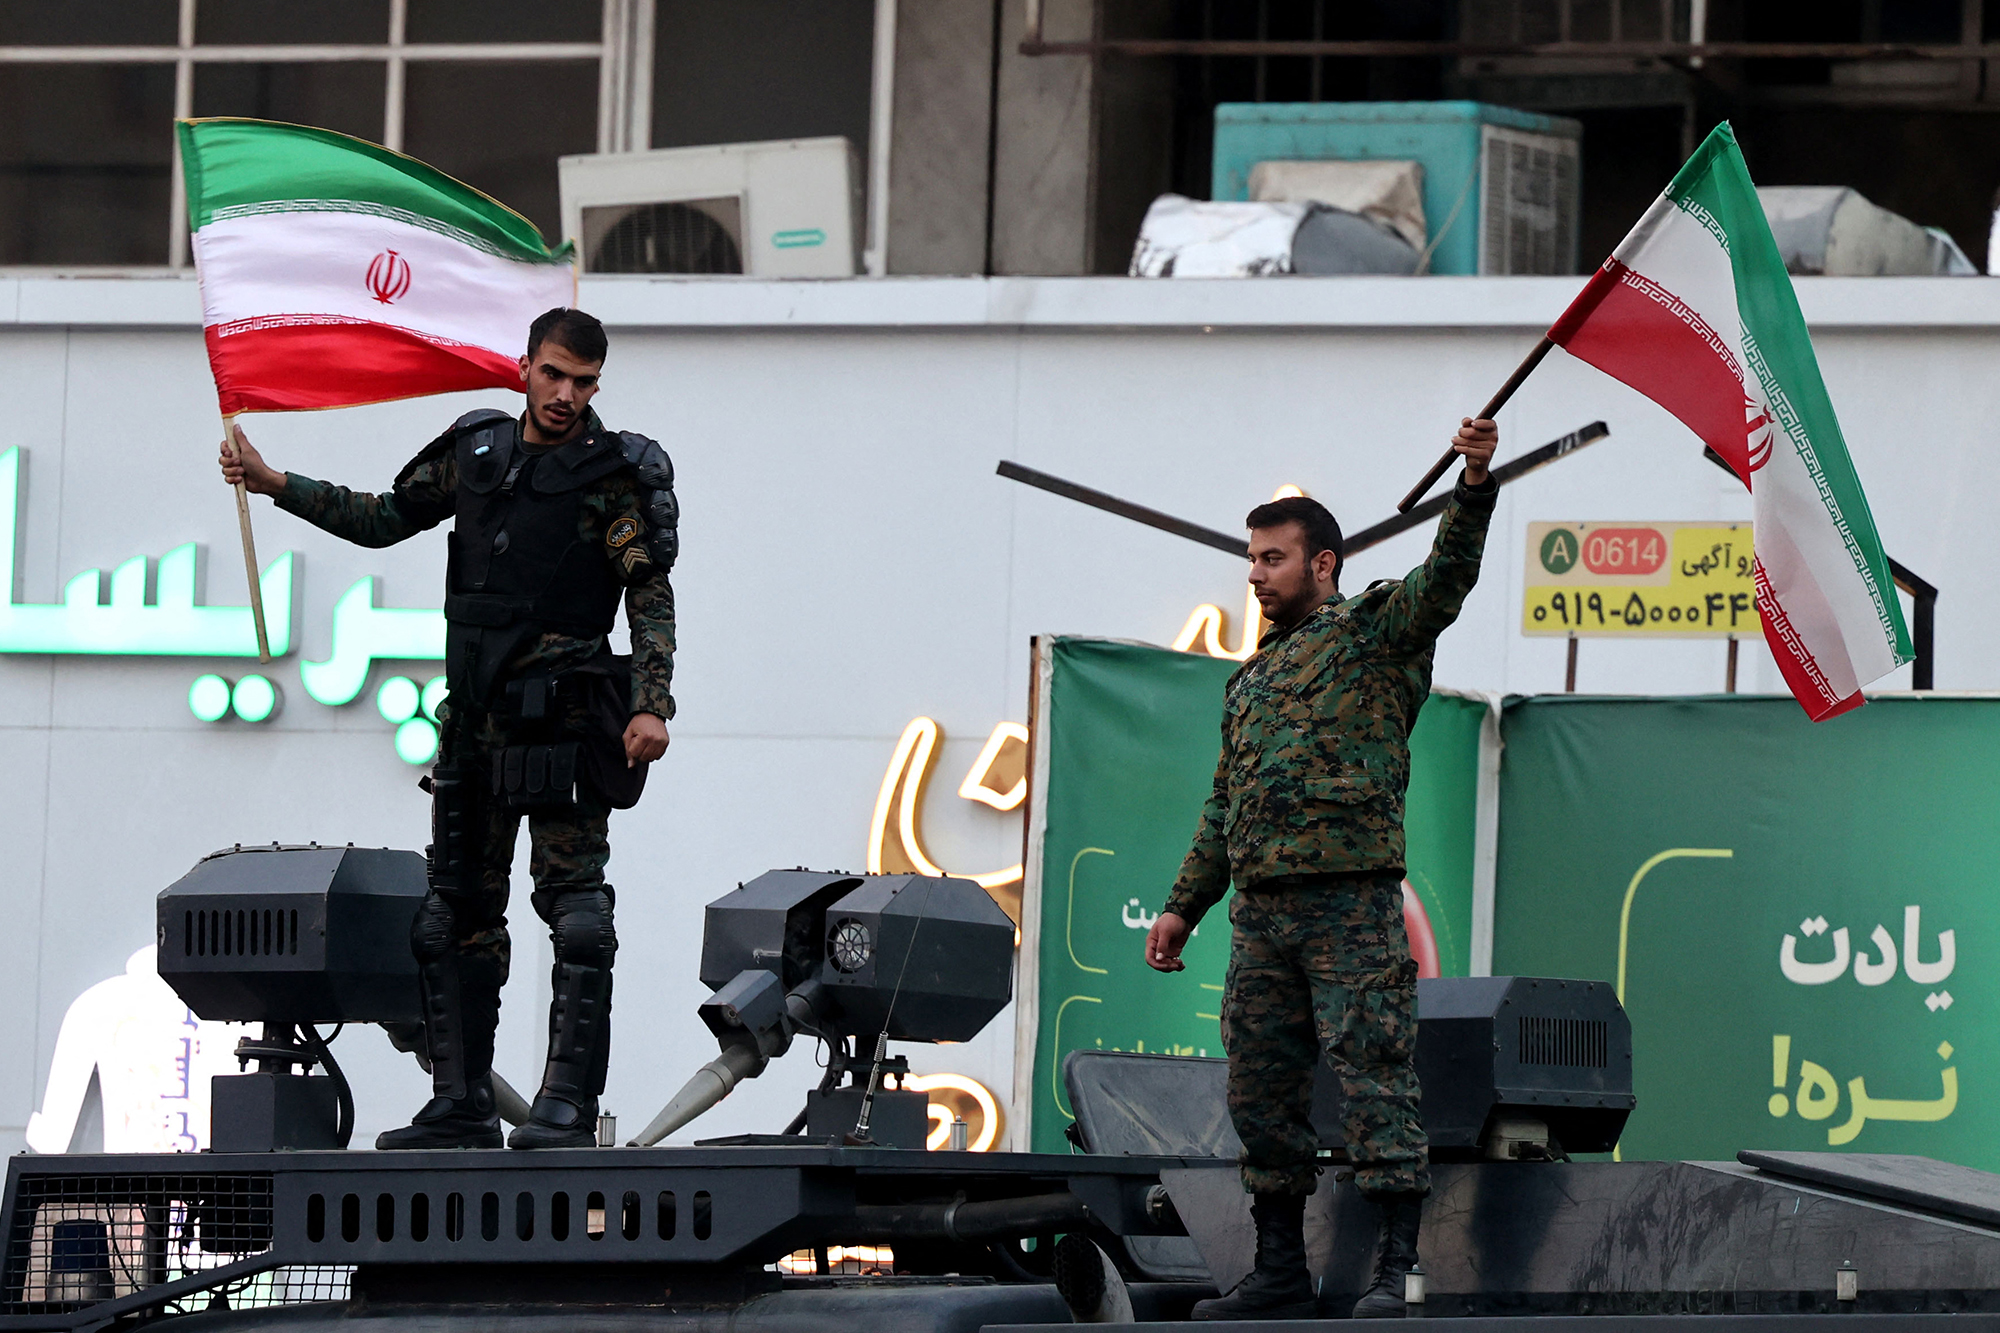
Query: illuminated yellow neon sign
[
  {"x": 1207, "y": 622},
  {"x": 895, "y": 845},
  {"x": 967, "y": 1099}
]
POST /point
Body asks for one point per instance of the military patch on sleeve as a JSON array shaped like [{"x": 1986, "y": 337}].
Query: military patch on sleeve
[{"x": 621, "y": 533}]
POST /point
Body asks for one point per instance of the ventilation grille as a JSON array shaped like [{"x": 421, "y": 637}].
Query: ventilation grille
[
  {"x": 1572, "y": 1043},
  {"x": 77, "y": 1240},
  {"x": 1528, "y": 203},
  {"x": 473, "y": 1219},
  {"x": 256, "y": 932},
  {"x": 690, "y": 236}
]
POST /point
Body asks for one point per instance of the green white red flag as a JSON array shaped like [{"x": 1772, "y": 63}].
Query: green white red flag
[
  {"x": 336, "y": 272},
  {"x": 1696, "y": 311}
]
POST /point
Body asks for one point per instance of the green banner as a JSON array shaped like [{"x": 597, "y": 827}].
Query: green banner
[
  {"x": 1795, "y": 913},
  {"x": 1132, "y": 734}
]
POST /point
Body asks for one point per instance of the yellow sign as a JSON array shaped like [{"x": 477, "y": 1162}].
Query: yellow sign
[{"x": 1686, "y": 580}]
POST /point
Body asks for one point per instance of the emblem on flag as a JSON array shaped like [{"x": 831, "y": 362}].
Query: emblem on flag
[
  {"x": 388, "y": 276},
  {"x": 279, "y": 215},
  {"x": 1757, "y": 429}
]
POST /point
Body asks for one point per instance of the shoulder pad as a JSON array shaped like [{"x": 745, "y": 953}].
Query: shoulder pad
[
  {"x": 443, "y": 444},
  {"x": 648, "y": 459},
  {"x": 655, "y": 471},
  {"x": 479, "y": 417}
]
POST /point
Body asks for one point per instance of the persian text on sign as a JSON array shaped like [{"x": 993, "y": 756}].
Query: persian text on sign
[{"x": 1673, "y": 579}]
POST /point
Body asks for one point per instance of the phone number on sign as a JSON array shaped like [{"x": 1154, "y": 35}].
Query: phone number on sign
[{"x": 1639, "y": 611}]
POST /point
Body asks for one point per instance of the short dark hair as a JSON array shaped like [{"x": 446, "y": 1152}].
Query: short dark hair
[
  {"x": 577, "y": 333},
  {"x": 1315, "y": 522}
]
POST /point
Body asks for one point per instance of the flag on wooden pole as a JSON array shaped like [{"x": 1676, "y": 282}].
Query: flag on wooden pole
[
  {"x": 1695, "y": 310},
  {"x": 336, "y": 272}
]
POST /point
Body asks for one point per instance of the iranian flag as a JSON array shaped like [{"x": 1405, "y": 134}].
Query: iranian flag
[
  {"x": 1695, "y": 310},
  {"x": 336, "y": 272}
]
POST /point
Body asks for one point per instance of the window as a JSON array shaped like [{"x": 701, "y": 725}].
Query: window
[{"x": 492, "y": 91}]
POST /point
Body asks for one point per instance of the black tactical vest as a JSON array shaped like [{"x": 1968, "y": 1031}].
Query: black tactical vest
[{"x": 518, "y": 564}]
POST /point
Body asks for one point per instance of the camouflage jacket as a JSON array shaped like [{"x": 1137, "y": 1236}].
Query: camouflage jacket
[
  {"x": 426, "y": 494},
  {"x": 1316, "y": 727}
]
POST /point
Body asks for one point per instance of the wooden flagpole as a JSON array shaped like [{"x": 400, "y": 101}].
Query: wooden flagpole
[
  {"x": 249, "y": 544},
  {"x": 1514, "y": 381}
]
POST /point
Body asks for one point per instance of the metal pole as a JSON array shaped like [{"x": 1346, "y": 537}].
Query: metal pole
[
  {"x": 881, "y": 137},
  {"x": 177, "y": 223},
  {"x": 1569, "y": 671},
  {"x": 1354, "y": 542},
  {"x": 394, "y": 81}
]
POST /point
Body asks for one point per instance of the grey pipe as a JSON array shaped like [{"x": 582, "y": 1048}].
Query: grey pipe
[
  {"x": 710, "y": 1084},
  {"x": 513, "y": 1107}
]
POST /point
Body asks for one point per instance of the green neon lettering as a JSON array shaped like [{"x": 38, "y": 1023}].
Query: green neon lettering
[
  {"x": 173, "y": 624},
  {"x": 364, "y": 633}
]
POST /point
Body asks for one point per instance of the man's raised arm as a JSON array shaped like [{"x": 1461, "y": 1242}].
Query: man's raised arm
[
  {"x": 1430, "y": 596},
  {"x": 424, "y": 495}
]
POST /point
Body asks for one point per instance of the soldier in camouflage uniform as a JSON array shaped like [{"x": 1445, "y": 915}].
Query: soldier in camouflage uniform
[
  {"x": 1306, "y": 819},
  {"x": 556, "y": 517}
]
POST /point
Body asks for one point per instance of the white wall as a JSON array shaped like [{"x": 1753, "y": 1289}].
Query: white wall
[{"x": 850, "y": 561}]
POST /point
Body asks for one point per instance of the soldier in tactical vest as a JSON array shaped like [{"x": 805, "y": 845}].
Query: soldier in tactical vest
[
  {"x": 1306, "y": 819},
  {"x": 554, "y": 518}
]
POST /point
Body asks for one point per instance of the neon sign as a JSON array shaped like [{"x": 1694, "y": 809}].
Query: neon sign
[
  {"x": 122, "y": 620},
  {"x": 955, "y": 1096},
  {"x": 901, "y": 796},
  {"x": 363, "y": 634}
]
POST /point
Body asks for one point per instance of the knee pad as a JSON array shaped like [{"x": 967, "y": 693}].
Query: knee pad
[
  {"x": 434, "y": 930},
  {"x": 580, "y": 925}
]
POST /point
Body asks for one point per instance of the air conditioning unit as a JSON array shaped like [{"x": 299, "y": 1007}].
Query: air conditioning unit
[
  {"x": 1528, "y": 201},
  {"x": 788, "y": 208},
  {"x": 1499, "y": 186}
]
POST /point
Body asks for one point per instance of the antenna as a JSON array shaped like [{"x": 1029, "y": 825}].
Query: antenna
[{"x": 882, "y": 1038}]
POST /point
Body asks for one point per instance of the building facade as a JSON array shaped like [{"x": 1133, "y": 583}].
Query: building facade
[{"x": 850, "y": 562}]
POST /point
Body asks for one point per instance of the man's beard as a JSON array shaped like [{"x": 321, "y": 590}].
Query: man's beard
[{"x": 1296, "y": 607}]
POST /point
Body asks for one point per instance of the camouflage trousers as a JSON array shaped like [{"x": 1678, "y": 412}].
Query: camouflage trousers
[
  {"x": 1323, "y": 965},
  {"x": 567, "y": 851}
]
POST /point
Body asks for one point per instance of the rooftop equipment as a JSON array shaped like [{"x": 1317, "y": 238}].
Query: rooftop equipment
[
  {"x": 1836, "y": 231},
  {"x": 844, "y": 957},
  {"x": 291, "y": 937},
  {"x": 1500, "y": 191},
  {"x": 787, "y": 208}
]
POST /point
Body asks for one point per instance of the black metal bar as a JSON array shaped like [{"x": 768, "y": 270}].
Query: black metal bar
[
  {"x": 105, "y": 1312},
  {"x": 1923, "y": 623},
  {"x": 1923, "y": 597},
  {"x": 1498, "y": 401},
  {"x": 986, "y": 1220},
  {"x": 1512, "y": 470},
  {"x": 1111, "y": 504}
]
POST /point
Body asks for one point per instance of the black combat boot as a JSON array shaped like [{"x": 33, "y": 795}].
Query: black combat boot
[
  {"x": 461, "y": 998},
  {"x": 471, "y": 1121},
  {"x": 1395, "y": 1255},
  {"x": 565, "y": 1111},
  {"x": 1279, "y": 1286}
]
